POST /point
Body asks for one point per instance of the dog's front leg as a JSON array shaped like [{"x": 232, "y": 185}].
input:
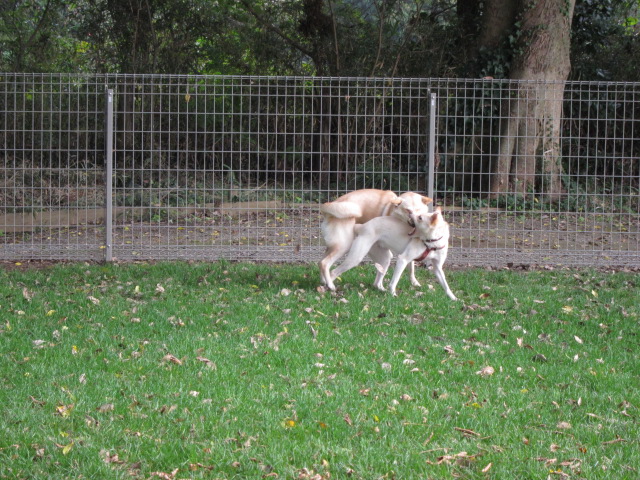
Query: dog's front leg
[
  {"x": 382, "y": 259},
  {"x": 437, "y": 268},
  {"x": 412, "y": 274}
]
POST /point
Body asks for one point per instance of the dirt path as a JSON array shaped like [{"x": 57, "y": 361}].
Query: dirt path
[{"x": 273, "y": 231}]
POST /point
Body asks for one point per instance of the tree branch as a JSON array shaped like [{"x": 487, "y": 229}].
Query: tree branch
[
  {"x": 408, "y": 32},
  {"x": 269, "y": 26},
  {"x": 380, "y": 24},
  {"x": 29, "y": 42},
  {"x": 335, "y": 36}
]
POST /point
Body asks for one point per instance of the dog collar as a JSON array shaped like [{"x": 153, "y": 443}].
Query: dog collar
[{"x": 427, "y": 251}]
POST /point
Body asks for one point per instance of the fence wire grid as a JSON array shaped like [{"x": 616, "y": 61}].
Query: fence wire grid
[{"x": 231, "y": 167}]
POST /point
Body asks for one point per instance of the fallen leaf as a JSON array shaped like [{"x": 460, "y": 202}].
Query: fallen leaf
[
  {"x": 65, "y": 448},
  {"x": 107, "y": 407},
  {"x": 64, "y": 410},
  {"x": 466, "y": 432},
  {"x": 617, "y": 440},
  {"x": 347, "y": 419},
  {"x": 27, "y": 294},
  {"x": 449, "y": 459},
  {"x": 486, "y": 371},
  {"x": 107, "y": 457},
  {"x": 172, "y": 359},
  {"x": 39, "y": 454},
  {"x": 207, "y": 362},
  {"x": 578, "y": 339},
  {"x": 90, "y": 421},
  {"x": 166, "y": 476},
  {"x": 94, "y": 300},
  {"x": 37, "y": 402},
  {"x": 563, "y": 425}
]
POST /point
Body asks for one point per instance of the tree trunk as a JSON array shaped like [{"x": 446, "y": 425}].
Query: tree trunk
[
  {"x": 530, "y": 155},
  {"x": 499, "y": 17}
]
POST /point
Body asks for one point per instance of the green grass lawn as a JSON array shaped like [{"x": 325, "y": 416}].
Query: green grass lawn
[{"x": 228, "y": 370}]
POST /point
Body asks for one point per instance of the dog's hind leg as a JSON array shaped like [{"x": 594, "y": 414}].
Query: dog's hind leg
[
  {"x": 332, "y": 254},
  {"x": 338, "y": 235},
  {"x": 359, "y": 249},
  {"x": 401, "y": 264}
]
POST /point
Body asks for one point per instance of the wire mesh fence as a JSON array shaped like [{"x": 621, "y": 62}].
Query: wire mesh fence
[
  {"x": 207, "y": 167},
  {"x": 51, "y": 167}
]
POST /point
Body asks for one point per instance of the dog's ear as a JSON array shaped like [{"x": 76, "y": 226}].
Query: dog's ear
[
  {"x": 438, "y": 210},
  {"x": 434, "y": 216},
  {"x": 396, "y": 201},
  {"x": 427, "y": 200}
]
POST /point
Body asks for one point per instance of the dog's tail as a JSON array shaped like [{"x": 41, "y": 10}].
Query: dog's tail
[{"x": 341, "y": 209}]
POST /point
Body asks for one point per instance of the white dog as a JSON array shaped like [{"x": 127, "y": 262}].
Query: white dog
[
  {"x": 360, "y": 206},
  {"x": 384, "y": 236}
]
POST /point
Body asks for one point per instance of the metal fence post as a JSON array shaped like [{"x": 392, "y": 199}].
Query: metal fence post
[
  {"x": 109, "y": 175},
  {"x": 432, "y": 147}
]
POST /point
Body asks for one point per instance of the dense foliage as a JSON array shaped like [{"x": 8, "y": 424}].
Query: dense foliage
[{"x": 424, "y": 38}]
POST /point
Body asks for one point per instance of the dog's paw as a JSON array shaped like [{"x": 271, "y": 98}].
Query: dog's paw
[
  {"x": 328, "y": 286},
  {"x": 415, "y": 283}
]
